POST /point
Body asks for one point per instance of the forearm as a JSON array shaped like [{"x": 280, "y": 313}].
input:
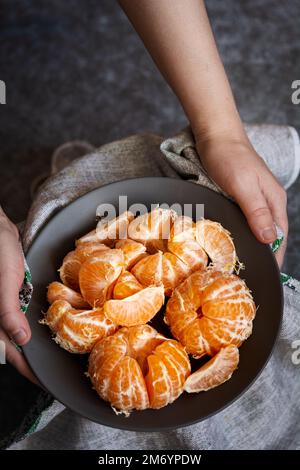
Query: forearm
[{"x": 178, "y": 35}]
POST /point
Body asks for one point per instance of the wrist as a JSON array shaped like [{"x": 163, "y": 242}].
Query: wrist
[
  {"x": 231, "y": 135},
  {"x": 219, "y": 126}
]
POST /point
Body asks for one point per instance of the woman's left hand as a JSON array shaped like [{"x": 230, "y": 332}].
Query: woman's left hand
[{"x": 236, "y": 167}]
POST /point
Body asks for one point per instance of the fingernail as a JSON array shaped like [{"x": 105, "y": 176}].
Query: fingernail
[
  {"x": 20, "y": 336},
  {"x": 269, "y": 234}
]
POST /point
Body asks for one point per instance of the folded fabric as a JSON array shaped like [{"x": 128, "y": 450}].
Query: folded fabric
[{"x": 267, "y": 416}]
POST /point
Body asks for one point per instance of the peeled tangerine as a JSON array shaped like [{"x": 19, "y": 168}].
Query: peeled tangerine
[
  {"x": 137, "y": 368},
  {"x": 209, "y": 311},
  {"x": 77, "y": 331}
]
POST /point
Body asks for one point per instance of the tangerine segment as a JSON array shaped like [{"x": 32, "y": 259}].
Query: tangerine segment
[
  {"x": 133, "y": 251},
  {"x": 177, "y": 363},
  {"x": 86, "y": 250},
  {"x": 112, "y": 256},
  {"x": 161, "y": 268},
  {"x": 127, "y": 388},
  {"x": 183, "y": 229},
  {"x": 182, "y": 243},
  {"x": 217, "y": 243},
  {"x": 122, "y": 368},
  {"x": 136, "y": 309},
  {"x": 239, "y": 307},
  {"x": 69, "y": 271},
  {"x": 196, "y": 343},
  {"x": 107, "y": 232},
  {"x": 190, "y": 253},
  {"x": 92, "y": 237},
  {"x": 126, "y": 286},
  {"x": 58, "y": 291},
  {"x": 153, "y": 229},
  {"x": 96, "y": 279},
  {"x": 219, "y": 334},
  {"x": 142, "y": 340},
  {"x": 158, "y": 382},
  {"x": 54, "y": 313},
  {"x": 77, "y": 331},
  {"x": 174, "y": 271},
  {"x": 114, "y": 229},
  {"x": 188, "y": 295},
  {"x": 225, "y": 286},
  {"x": 216, "y": 371},
  {"x": 104, "y": 357},
  {"x": 148, "y": 271}
]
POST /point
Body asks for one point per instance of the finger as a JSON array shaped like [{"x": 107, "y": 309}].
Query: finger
[
  {"x": 256, "y": 209},
  {"x": 12, "y": 320},
  {"x": 17, "y": 360}
]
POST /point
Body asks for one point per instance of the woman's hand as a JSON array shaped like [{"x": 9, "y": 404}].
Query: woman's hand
[
  {"x": 13, "y": 323},
  {"x": 235, "y": 166}
]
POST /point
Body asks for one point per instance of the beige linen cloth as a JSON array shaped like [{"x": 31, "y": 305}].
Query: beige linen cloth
[{"x": 267, "y": 416}]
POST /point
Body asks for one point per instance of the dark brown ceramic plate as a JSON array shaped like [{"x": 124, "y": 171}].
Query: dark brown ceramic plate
[{"x": 63, "y": 374}]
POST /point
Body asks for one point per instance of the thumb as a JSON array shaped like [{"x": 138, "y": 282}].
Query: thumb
[
  {"x": 256, "y": 209},
  {"x": 12, "y": 320}
]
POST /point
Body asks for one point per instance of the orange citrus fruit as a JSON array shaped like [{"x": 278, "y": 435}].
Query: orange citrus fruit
[
  {"x": 133, "y": 251},
  {"x": 116, "y": 228},
  {"x": 87, "y": 250},
  {"x": 168, "y": 368},
  {"x": 69, "y": 271},
  {"x": 216, "y": 371},
  {"x": 77, "y": 331},
  {"x": 118, "y": 276},
  {"x": 98, "y": 275},
  {"x": 182, "y": 243},
  {"x": 90, "y": 237},
  {"x": 125, "y": 369},
  {"x": 210, "y": 310},
  {"x": 126, "y": 286},
  {"x": 58, "y": 291},
  {"x": 217, "y": 243},
  {"x": 153, "y": 229},
  {"x": 190, "y": 253},
  {"x": 161, "y": 268},
  {"x": 108, "y": 232},
  {"x": 137, "y": 309}
]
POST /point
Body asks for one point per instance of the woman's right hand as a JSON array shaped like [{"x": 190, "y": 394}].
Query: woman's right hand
[{"x": 13, "y": 323}]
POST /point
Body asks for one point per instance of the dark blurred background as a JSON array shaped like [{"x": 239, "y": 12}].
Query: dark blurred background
[{"x": 77, "y": 70}]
